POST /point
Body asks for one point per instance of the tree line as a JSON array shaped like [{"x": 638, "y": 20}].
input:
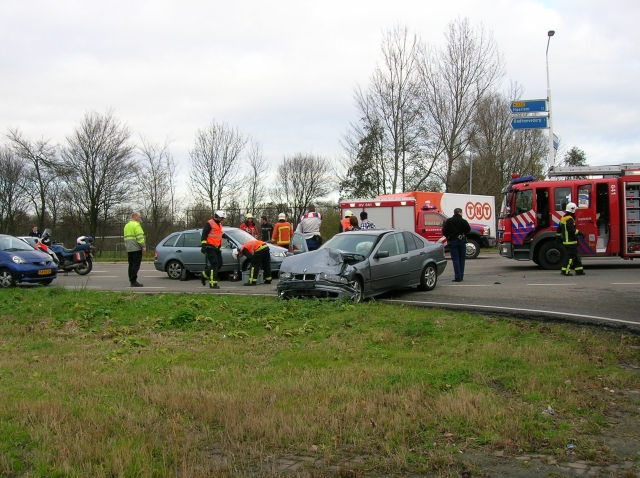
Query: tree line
[{"x": 431, "y": 118}]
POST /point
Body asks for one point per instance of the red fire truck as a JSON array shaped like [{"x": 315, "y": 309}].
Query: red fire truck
[
  {"x": 422, "y": 212},
  {"x": 608, "y": 200}
]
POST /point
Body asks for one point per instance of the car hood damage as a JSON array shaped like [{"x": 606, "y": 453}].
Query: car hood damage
[{"x": 322, "y": 273}]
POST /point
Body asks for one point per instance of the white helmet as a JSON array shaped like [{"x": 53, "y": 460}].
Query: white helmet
[
  {"x": 571, "y": 207},
  {"x": 348, "y": 213},
  {"x": 82, "y": 240},
  {"x": 234, "y": 253},
  {"x": 282, "y": 216},
  {"x": 221, "y": 214},
  {"x": 249, "y": 216}
]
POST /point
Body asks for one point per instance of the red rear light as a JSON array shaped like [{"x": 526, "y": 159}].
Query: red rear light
[{"x": 155, "y": 255}]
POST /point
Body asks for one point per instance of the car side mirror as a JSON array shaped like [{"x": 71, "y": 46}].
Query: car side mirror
[{"x": 381, "y": 254}]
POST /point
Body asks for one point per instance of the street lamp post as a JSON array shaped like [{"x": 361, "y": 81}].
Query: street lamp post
[{"x": 552, "y": 155}]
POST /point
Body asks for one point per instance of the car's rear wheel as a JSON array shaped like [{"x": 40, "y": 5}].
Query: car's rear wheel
[
  {"x": 174, "y": 270},
  {"x": 357, "y": 285},
  {"x": 6, "y": 279},
  {"x": 429, "y": 278}
]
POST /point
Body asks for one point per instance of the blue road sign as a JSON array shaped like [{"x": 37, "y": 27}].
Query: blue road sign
[
  {"x": 529, "y": 106},
  {"x": 529, "y": 122}
]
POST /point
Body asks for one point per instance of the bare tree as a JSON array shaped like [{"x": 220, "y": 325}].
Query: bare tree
[
  {"x": 14, "y": 199},
  {"x": 389, "y": 135},
  {"x": 453, "y": 82},
  {"x": 302, "y": 179},
  {"x": 255, "y": 178},
  {"x": 41, "y": 157},
  {"x": 215, "y": 160},
  {"x": 99, "y": 167},
  {"x": 157, "y": 185}
]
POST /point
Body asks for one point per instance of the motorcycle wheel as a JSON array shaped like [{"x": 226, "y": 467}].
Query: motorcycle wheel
[{"x": 84, "y": 268}]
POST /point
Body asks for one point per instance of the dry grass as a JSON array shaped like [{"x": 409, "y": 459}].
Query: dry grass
[{"x": 129, "y": 385}]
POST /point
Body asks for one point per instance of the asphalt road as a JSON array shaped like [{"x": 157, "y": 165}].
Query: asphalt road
[{"x": 609, "y": 293}]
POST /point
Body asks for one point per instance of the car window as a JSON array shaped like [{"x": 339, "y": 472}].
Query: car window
[
  {"x": 239, "y": 236},
  {"x": 433, "y": 219},
  {"x": 171, "y": 241},
  {"x": 296, "y": 242},
  {"x": 191, "y": 239},
  {"x": 14, "y": 244},
  {"x": 409, "y": 240},
  {"x": 420, "y": 242},
  {"x": 394, "y": 244}
]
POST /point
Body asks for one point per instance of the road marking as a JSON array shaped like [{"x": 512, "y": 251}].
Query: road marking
[
  {"x": 509, "y": 309},
  {"x": 557, "y": 284},
  {"x": 625, "y": 283},
  {"x": 468, "y": 285}
]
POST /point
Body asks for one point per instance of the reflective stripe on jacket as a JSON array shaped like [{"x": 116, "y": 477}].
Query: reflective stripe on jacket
[
  {"x": 282, "y": 232},
  {"x": 567, "y": 230},
  {"x": 215, "y": 234},
  {"x": 133, "y": 236},
  {"x": 253, "y": 246}
]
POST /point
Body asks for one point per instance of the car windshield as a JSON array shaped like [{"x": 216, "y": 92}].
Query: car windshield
[
  {"x": 13, "y": 244},
  {"x": 353, "y": 243},
  {"x": 239, "y": 236}
]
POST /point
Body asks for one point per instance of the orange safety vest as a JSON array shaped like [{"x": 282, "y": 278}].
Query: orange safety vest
[
  {"x": 282, "y": 232},
  {"x": 346, "y": 224},
  {"x": 253, "y": 246},
  {"x": 215, "y": 234}
]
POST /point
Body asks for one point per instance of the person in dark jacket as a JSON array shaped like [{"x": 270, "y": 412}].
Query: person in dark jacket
[
  {"x": 266, "y": 229},
  {"x": 455, "y": 229},
  {"x": 568, "y": 234}
]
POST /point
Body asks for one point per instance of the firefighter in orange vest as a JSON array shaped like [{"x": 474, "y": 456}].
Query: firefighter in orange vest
[
  {"x": 258, "y": 254},
  {"x": 211, "y": 241},
  {"x": 282, "y": 231},
  {"x": 345, "y": 223}
]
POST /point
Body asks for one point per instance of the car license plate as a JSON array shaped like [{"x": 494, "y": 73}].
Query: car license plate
[
  {"x": 44, "y": 272},
  {"x": 302, "y": 285}
]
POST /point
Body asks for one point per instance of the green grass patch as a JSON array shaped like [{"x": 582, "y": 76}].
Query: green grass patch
[{"x": 123, "y": 384}]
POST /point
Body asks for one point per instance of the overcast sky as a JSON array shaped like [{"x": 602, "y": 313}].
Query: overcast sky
[{"x": 284, "y": 71}]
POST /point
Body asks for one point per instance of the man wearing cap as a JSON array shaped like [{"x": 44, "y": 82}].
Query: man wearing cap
[
  {"x": 309, "y": 226},
  {"x": 211, "y": 241},
  {"x": 346, "y": 222},
  {"x": 282, "y": 231},
  {"x": 249, "y": 226}
]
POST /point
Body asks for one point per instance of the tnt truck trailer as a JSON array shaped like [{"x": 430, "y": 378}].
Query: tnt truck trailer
[
  {"x": 608, "y": 200},
  {"x": 424, "y": 213}
]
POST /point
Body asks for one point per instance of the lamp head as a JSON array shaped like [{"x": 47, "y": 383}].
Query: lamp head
[{"x": 550, "y": 33}]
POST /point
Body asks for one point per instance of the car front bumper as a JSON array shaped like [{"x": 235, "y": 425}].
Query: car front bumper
[{"x": 316, "y": 289}]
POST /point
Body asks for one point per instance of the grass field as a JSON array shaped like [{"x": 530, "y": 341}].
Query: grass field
[{"x": 121, "y": 384}]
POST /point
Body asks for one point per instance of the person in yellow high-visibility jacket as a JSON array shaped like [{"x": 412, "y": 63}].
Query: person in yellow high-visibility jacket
[{"x": 135, "y": 246}]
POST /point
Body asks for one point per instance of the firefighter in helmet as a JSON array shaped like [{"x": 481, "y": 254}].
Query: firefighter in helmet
[
  {"x": 211, "y": 241},
  {"x": 568, "y": 233},
  {"x": 282, "y": 231},
  {"x": 345, "y": 223},
  {"x": 258, "y": 254}
]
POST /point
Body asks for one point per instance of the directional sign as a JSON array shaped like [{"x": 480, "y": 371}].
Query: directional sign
[
  {"x": 529, "y": 122},
  {"x": 529, "y": 106}
]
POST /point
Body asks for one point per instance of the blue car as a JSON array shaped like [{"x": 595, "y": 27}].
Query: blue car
[{"x": 19, "y": 262}]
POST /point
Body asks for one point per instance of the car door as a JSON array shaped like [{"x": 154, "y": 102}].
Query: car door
[
  {"x": 416, "y": 255},
  {"x": 389, "y": 263},
  {"x": 189, "y": 251}
]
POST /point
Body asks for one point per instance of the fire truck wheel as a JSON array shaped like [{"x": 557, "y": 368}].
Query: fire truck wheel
[
  {"x": 551, "y": 255},
  {"x": 473, "y": 249}
]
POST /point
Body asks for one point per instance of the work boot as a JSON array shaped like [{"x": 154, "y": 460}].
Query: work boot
[
  {"x": 563, "y": 273},
  {"x": 580, "y": 273},
  {"x": 267, "y": 281},
  {"x": 214, "y": 286},
  {"x": 203, "y": 280},
  {"x": 136, "y": 284},
  {"x": 251, "y": 283}
]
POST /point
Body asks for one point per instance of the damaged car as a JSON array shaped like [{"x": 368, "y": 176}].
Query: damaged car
[{"x": 360, "y": 264}]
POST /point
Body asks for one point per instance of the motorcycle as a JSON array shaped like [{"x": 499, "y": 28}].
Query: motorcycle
[
  {"x": 41, "y": 246},
  {"x": 79, "y": 259}
]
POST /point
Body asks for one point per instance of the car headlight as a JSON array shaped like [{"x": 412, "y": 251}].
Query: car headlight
[
  {"x": 285, "y": 275},
  {"x": 487, "y": 231},
  {"x": 19, "y": 260},
  {"x": 332, "y": 278},
  {"x": 279, "y": 254}
]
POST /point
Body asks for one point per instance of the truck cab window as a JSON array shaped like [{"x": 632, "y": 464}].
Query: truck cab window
[
  {"x": 524, "y": 201},
  {"x": 561, "y": 197}
]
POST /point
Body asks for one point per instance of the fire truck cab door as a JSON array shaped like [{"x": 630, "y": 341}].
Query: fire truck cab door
[{"x": 586, "y": 218}]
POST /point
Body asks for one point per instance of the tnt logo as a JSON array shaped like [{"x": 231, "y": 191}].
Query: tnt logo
[{"x": 478, "y": 210}]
